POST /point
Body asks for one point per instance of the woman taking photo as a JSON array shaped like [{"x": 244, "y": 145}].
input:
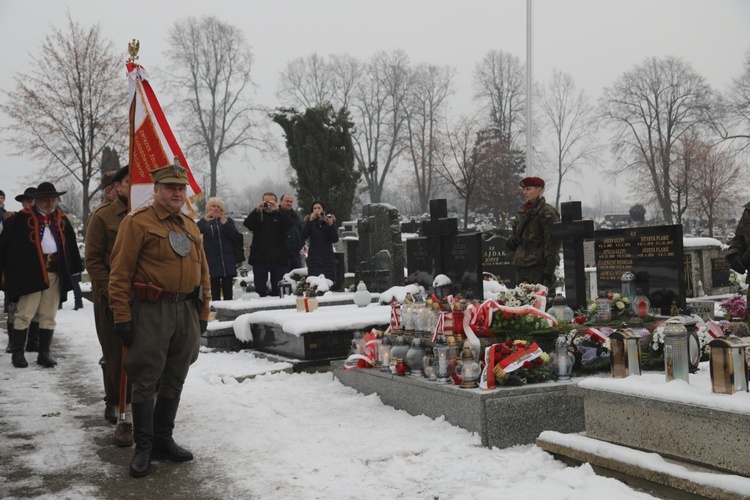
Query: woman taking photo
[
  {"x": 320, "y": 228},
  {"x": 219, "y": 236}
]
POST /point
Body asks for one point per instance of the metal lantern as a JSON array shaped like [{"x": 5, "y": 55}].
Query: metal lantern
[
  {"x": 285, "y": 289},
  {"x": 469, "y": 369},
  {"x": 385, "y": 354},
  {"x": 628, "y": 285},
  {"x": 414, "y": 356},
  {"x": 728, "y": 363},
  {"x": 694, "y": 345},
  {"x": 624, "y": 353},
  {"x": 675, "y": 350},
  {"x": 562, "y": 365},
  {"x": 443, "y": 353},
  {"x": 560, "y": 311},
  {"x": 399, "y": 349},
  {"x": 640, "y": 304}
]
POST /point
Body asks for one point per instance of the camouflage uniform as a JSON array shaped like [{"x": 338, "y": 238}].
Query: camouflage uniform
[{"x": 537, "y": 255}]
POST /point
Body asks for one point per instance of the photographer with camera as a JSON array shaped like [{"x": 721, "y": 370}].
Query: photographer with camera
[
  {"x": 320, "y": 228},
  {"x": 536, "y": 254},
  {"x": 219, "y": 237},
  {"x": 268, "y": 250}
]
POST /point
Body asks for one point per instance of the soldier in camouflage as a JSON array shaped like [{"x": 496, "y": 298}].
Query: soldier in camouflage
[
  {"x": 738, "y": 254},
  {"x": 536, "y": 254}
]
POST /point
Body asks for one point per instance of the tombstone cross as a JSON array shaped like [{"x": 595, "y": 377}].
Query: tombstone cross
[{"x": 572, "y": 231}]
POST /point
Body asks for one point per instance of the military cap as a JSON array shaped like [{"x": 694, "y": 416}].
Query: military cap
[
  {"x": 171, "y": 174},
  {"x": 120, "y": 174},
  {"x": 46, "y": 190},
  {"x": 532, "y": 182},
  {"x": 26, "y": 194},
  {"x": 107, "y": 179}
]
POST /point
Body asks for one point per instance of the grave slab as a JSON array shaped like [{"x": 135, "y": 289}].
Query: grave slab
[
  {"x": 227, "y": 310},
  {"x": 503, "y": 417}
]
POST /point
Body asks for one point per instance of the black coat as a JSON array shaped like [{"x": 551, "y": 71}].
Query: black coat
[
  {"x": 218, "y": 242},
  {"x": 320, "y": 257},
  {"x": 269, "y": 236},
  {"x": 22, "y": 261}
]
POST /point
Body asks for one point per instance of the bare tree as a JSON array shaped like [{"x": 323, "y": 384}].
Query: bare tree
[
  {"x": 717, "y": 181},
  {"x": 306, "y": 82},
  {"x": 737, "y": 108},
  {"x": 211, "y": 63},
  {"x": 500, "y": 89},
  {"x": 70, "y": 107},
  {"x": 650, "y": 108},
  {"x": 425, "y": 103},
  {"x": 572, "y": 121},
  {"x": 456, "y": 163}
]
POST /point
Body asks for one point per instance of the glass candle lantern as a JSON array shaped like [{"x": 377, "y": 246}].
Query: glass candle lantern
[
  {"x": 640, "y": 304},
  {"x": 675, "y": 350},
  {"x": 560, "y": 311},
  {"x": 469, "y": 370},
  {"x": 624, "y": 353},
  {"x": 385, "y": 354},
  {"x": 728, "y": 362},
  {"x": 414, "y": 356},
  {"x": 442, "y": 353},
  {"x": 627, "y": 280},
  {"x": 399, "y": 349},
  {"x": 603, "y": 307},
  {"x": 562, "y": 365}
]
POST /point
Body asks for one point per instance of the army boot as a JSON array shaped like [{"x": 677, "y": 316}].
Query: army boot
[
  {"x": 45, "y": 341},
  {"x": 18, "y": 343},
  {"x": 143, "y": 435},
  {"x": 165, "y": 412},
  {"x": 9, "y": 347}
]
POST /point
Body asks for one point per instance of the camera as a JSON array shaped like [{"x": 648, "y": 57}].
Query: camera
[{"x": 266, "y": 204}]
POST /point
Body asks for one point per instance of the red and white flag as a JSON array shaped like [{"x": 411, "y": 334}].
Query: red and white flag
[{"x": 152, "y": 143}]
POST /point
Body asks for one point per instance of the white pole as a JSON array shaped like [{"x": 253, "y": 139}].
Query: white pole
[{"x": 529, "y": 79}]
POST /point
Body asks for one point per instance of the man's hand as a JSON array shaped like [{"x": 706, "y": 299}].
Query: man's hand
[
  {"x": 125, "y": 332},
  {"x": 203, "y": 325},
  {"x": 735, "y": 262}
]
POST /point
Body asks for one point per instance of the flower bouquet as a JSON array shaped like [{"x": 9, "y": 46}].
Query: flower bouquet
[
  {"x": 734, "y": 307},
  {"x": 619, "y": 307},
  {"x": 652, "y": 347},
  {"x": 515, "y": 363},
  {"x": 591, "y": 349}
]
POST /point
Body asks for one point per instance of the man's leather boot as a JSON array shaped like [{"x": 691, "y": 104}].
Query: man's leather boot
[
  {"x": 165, "y": 412},
  {"x": 18, "y": 344},
  {"x": 45, "y": 341},
  {"x": 32, "y": 343},
  {"x": 143, "y": 434}
]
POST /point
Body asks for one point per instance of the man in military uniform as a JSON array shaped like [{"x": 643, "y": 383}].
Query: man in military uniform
[
  {"x": 738, "y": 254},
  {"x": 536, "y": 255},
  {"x": 100, "y": 239},
  {"x": 38, "y": 256},
  {"x": 159, "y": 292}
]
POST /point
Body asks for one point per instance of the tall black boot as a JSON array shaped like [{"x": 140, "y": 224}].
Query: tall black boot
[
  {"x": 18, "y": 342},
  {"x": 45, "y": 340},
  {"x": 32, "y": 343},
  {"x": 165, "y": 412},
  {"x": 143, "y": 435}
]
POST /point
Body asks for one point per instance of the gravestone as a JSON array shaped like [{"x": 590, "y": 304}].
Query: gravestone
[
  {"x": 572, "y": 231},
  {"x": 351, "y": 247},
  {"x": 380, "y": 252},
  {"x": 441, "y": 250},
  {"x": 496, "y": 260},
  {"x": 653, "y": 254},
  {"x": 708, "y": 266}
]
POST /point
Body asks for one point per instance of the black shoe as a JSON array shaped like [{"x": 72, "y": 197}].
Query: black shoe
[
  {"x": 79, "y": 305},
  {"x": 45, "y": 340},
  {"x": 169, "y": 450},
  {"x": 164, "y": 446},
  {"x": 18, "y": 343},
  {"x": 110, "y": 413}
]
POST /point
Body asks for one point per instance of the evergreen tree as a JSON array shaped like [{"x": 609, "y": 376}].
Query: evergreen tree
[
  {"x": 321, "y": 152},
  {"x": 638, "y": 213},
  {"x": 110, "y": 160}
]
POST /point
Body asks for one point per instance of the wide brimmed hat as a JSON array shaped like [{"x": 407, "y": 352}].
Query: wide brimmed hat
[
  {"x": 28, "y": 192},
  {"x": 107, "y": 179},
  {"x": 47, "y": 190},
  {"x": 120, "y": 174},
  {"x": 532, "y": 182}
]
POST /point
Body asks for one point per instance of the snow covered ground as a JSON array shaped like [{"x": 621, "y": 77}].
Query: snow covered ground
[{"x": 275, "y": 435}]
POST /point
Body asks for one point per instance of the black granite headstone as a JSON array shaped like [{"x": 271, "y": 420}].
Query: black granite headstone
[
  {"x": 654, "y": 254},
  {"x": 496, "y": 260},
  {"x": 351, "y": 255},
  {"x": 720, "y": 273},
  {"x": 338, "y": 285},
  {"x": 375, "y": 272},
  {"x": 421, "y": 261}
]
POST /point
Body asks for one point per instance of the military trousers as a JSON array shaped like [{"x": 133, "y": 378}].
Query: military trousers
[
  {"x": 532, "y": 274},
  {"x": 44, "y": 303},
  {"x": 166, "y": 341},
  {"x": 111, "y": 350}
]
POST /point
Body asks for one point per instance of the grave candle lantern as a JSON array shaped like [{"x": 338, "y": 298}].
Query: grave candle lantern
[
  {"x": 561, "y": 312},
  {"x": 562, "y": 365},
  {"x": 624, "y": 353},
  {"x": 628, "y": 285},
  {"x": 385, "y": 355},
  {"x": 442, "y": 364},
  {"x": 469, "y": 369},
  {"x": 675, "y": 350},
  {"x": 728, "y": 363}
]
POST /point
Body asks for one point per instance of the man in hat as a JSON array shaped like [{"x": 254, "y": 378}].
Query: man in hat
[
  {"x": 536, "y": 254},
  {"x": 107, "y": 185},
  {"x": 100, "y": 239},
  {"x": 32, "y": 342},
  {"x": 38, "y": 255},
  {"x": 159, "y": 292}
]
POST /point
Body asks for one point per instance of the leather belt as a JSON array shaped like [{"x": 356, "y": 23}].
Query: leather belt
[
  {"x": 51, "y": 262},
  {"x": 176, "y": 296}
]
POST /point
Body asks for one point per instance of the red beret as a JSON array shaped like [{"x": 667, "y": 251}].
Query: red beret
[{"x": 532, "y": 182}]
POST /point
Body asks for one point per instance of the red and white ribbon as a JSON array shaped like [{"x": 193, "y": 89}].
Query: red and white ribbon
[{"x": 439, "y": 326}]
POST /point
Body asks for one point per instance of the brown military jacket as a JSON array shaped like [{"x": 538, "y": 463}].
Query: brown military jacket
[
  {"x": 537, "y": 247},
  {"x": 100, "y": 239},
  {"x": 142, "y": 253}
]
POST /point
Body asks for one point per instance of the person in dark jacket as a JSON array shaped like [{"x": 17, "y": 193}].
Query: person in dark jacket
[
  {"x": 268, "y": 249},
  {"x": 294, "y": 241},
  {"x": 320, "y": 228},
  {"x": 38, "y": 256},
  {"x": 219, "y": 236}
]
